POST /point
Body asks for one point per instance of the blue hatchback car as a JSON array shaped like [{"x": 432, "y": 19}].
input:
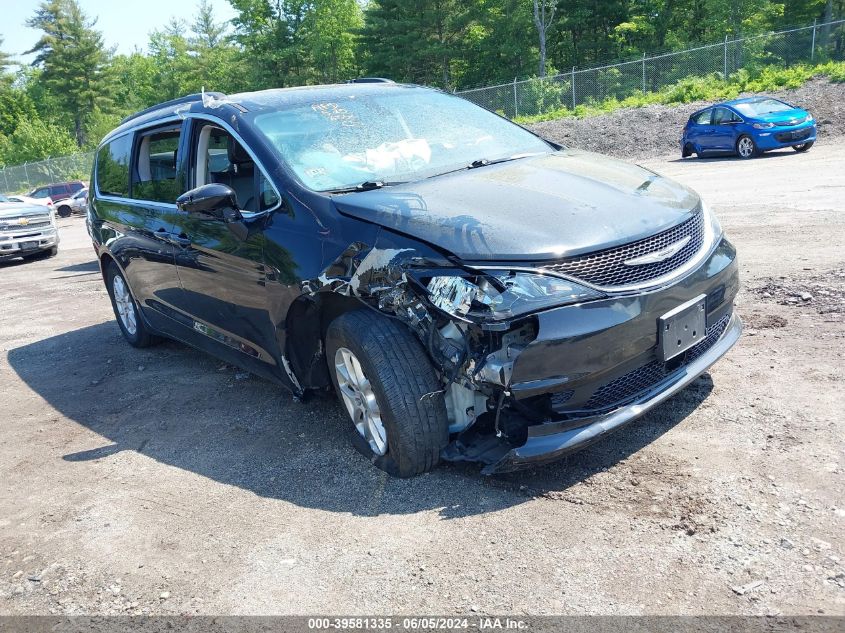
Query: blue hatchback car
[{"x": 747, "y": 127}]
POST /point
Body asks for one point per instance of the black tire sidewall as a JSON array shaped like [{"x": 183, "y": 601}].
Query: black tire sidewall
[
  {"x": 342, "y": 333},
  {"x": 335, "y": 339},
  {"x": 803, "y": 147},
  {"x": 64, "y": 211}
]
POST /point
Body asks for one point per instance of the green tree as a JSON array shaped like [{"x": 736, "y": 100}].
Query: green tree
[
  {"x": 5, "y": 61},
  {"x": 329, "y": 37},
  {"x": 33, "y": 139},
  {"x": 73, "y": 59},
  {"x": 416, "y": 41}
]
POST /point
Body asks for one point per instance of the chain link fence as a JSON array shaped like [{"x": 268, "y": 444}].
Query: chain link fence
[
  {"x": 810, "y": 44},
  {"x": 23, "y": 178}
]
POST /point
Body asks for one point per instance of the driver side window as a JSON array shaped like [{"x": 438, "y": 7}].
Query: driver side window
[
  {"x": 723, "y": 116},
  {"x": 220, "y": 158}
]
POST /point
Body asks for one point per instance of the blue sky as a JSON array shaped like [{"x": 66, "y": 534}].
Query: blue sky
[{"x": 124, "y": 23}]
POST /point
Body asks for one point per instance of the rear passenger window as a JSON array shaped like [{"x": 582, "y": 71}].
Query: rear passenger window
[
  {"x": 113, "y": 167},
  {"x": 703, "y": 118},
  {"x": 155, "y": 176}
]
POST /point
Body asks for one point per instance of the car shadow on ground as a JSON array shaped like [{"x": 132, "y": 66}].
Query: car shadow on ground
[
  {"x": 184, "y": 409},
  {"x": 733, "y": 158}
]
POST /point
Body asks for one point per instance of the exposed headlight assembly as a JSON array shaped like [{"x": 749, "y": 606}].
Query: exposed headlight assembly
[
  {"x": 762, "y": 126},
  {"x": 503, "y": 294}
]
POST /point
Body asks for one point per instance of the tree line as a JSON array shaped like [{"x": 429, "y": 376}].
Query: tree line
[{"x": 76, "y": 88}]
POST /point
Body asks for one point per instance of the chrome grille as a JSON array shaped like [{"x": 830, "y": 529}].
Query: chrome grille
[
  {"x": 607, "y": 268},
  {"x": 618, "y": 392},
  {"x": 13, "y": 224}
]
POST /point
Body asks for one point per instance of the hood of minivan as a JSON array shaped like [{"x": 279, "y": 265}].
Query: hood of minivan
[{"x": 535, "y": 208}]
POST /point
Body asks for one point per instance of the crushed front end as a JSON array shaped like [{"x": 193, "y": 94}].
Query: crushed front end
[{"x": 539, "y": 360}]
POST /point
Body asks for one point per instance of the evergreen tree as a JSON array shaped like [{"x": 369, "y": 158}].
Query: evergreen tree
[{"x": 73, "y": 59}]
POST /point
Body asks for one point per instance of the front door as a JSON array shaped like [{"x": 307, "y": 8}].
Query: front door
[{"x": 222, "y": 273}]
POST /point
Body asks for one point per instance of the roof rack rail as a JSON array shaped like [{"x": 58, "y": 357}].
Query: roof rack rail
[
  {"x": 173, "y": 102},
  {"x": 370, "y": 80}
]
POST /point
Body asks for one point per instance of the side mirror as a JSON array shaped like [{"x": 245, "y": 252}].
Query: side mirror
[{"x": 214, "y": 200}]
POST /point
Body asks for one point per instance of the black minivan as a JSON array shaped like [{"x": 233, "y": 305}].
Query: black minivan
[{"x": 470, "y": 291}]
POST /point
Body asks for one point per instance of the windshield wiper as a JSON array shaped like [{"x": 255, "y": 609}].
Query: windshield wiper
[
  {"x": 484, "y": 162},
  {"x": 367, "y": 185}
]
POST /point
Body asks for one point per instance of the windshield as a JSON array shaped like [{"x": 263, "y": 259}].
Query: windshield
[
  {"x": 759, "y": 108},
  {"x": 4, "y": 198},
  {"x": 394, "y": 136}
]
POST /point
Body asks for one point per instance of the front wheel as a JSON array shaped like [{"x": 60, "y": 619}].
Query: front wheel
[
  {"x": 803, "y": 147},
  {"x": 390, "y": 391},
  {"x": 126, "y": 310},
  {"x": 746, "y": 147},
  {"x": 64, "y": 211}
]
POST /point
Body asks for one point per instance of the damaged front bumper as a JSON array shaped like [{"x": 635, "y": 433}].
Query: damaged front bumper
[{"x": 547, "y": 442}]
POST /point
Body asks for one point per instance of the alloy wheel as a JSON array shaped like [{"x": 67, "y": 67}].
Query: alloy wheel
[
  {"x": 360, "y": 400},
  {"x": 745, "y": 147},
  {"x": 124, "y": 304}
]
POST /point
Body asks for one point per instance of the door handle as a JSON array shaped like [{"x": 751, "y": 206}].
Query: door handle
[{"x": 180, "y": 239}]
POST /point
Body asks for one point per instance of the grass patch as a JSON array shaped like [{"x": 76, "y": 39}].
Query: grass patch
[{"x": 711, "y": 87}]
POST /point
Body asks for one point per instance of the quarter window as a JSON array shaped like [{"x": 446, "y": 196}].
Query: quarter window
[
  {"x": 155, "y": 177},
  {"x": 703, "y": 118},
  {"x": 113, "y": 167}
]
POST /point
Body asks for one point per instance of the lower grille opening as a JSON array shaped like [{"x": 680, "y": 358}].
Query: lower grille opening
[{"x": 627, "y": 388}]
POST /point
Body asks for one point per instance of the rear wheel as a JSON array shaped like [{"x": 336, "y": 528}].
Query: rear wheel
[
  {"x": 63, "y": 211},
  {"x": 687, "y": 151},
  {"x": 390, "y": 391},
  {"x": 746, "y": 147},
  {"x": 803, "y": 147},
  {"x": 126, "y": 310}
]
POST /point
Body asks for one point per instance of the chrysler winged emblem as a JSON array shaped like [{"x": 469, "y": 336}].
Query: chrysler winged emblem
[{"x": 659, "y": 256}]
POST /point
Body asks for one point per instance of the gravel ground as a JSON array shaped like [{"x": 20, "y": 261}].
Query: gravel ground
[
  {"x": 162, "y": 481},
  {"x": 636, "y": 133}
]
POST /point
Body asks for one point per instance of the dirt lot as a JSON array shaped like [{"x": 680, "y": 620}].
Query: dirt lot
[{"x": 161, "y": 481}]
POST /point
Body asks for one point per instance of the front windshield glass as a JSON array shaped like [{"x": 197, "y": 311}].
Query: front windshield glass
[
  {"x": 393, "y": 136},
  {"x": 759, "y": 108}
]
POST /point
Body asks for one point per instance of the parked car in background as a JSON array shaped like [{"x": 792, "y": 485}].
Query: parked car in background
[
  {"x": 57, "y": 191},
  {"x": 27, "y": 230},
  {"x": 747, "y": 127},
  {"x": 77, "y": 203},
  {"x": 47, "y": 202},
  {"x": 471, "y": 291}
]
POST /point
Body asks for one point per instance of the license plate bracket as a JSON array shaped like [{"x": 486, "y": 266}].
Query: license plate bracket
[
  {"x": 29, "y": 246},
  {"x": 681, "y": 328}
]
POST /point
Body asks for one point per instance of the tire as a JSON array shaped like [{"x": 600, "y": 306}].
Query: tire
[
  {"x": 134, "y": 330},
  {"x": 405, "y": 388},
  {"x": 746, "y": 147},
  {"x": 687, "y": 151},
  {"x": 64, "y": 211},
  {"x": 803, "y": 147}
]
